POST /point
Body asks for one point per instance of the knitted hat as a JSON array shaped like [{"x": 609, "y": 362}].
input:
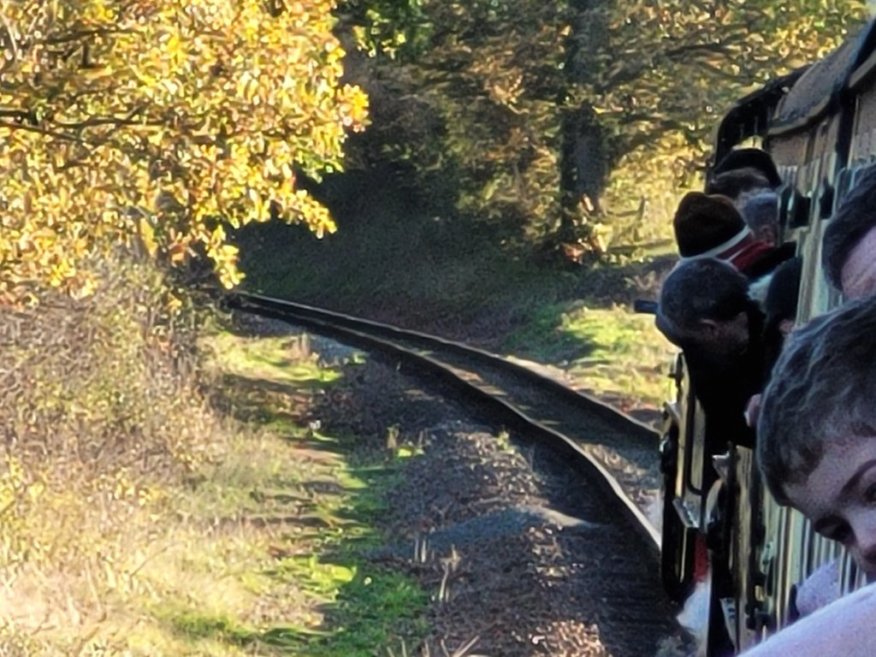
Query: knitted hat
[
  {"x": 749, "y": 158},
  {"x": 707, "y": 225}
]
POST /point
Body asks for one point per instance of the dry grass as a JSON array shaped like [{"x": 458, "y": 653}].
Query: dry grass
[
  {"x": 607, "y": 351},
  {"x": 102, "y": 425},
  {"x": 625, "y": 359},
  {"x": 139, "y": 517}
]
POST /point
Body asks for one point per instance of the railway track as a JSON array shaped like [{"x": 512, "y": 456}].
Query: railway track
[{"x": 619, "y": 454}]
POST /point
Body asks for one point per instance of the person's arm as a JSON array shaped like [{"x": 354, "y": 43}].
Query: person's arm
[{"x": 846, "y": 627}]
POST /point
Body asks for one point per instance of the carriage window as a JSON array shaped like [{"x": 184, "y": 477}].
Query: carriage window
[
  {"x": 825, "y": 204},
  {"x": 798, "y": 211}
]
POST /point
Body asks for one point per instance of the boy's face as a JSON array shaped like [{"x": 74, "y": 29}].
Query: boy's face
[
  {"x": 839, "y": 497},
  {"x": 721, "y": 339},
  {"x": 858, "y": 276}
]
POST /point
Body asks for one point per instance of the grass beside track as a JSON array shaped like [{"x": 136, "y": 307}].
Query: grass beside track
[
  {"x": 579, "y": 321},
  {"x": 608, "y": 351},
  {"x": 260, "y": 550},
  {"x": 311, "y": 502}
]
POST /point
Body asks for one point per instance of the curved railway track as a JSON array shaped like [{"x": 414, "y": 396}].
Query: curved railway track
[
  {"x": 619, "y": 453},
  {"x": 605, "y": 464}
]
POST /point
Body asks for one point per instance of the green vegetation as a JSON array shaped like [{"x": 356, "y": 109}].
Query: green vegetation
[
  {"x": 408, "y": 265},
  {"x": 573, "y": 120},
  {"x": 321, "y": 570},
  {"x": 155, "y": 121},
  {"x": 623, "y": 358},
  {"x": 524, "y": 160},
  {"x": 150, "y": 508},
  {"x": 378, "y": 265},
  {"x": 181, "y": 530}
]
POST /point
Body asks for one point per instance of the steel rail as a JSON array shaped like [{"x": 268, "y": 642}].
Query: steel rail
[{"x": 376, "y": 336}]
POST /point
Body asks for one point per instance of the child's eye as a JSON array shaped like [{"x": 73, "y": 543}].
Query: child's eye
[{"x": 870, "y": 494}]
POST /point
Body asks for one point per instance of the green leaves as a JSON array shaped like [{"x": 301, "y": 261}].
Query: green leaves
[
  {"x": 491, "y": 98},
  {"x": 470, "y": 98},
  {"x": 153, "y": 120},
  {"x": 660, "y": 75}
]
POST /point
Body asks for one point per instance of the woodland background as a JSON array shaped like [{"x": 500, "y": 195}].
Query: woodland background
[{"x": 502, "y": 171}]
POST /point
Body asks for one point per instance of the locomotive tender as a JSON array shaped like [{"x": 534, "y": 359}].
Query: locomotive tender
[{"x": 819, "y": 125}]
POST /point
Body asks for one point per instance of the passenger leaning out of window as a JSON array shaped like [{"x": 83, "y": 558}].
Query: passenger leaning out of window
[
  {"x": 743, "y": 173},
  {"x": 705, "y": 309},
  {"x": 816, "y": 450},
  {"x": 711, "y": 227},
  {"x": 849, "y": 247}
]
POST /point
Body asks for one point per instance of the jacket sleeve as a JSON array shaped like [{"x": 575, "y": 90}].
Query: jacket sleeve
[{"x": 846, "y": 627}]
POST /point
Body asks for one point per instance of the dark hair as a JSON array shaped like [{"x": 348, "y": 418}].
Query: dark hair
[
  {"x": 780, "y": 304},
  {"x": 749, "y": 158},
  {"x": 822, "y": 389},
  {"x": 738, "y": 181},
  {"x": 781, "y": 297},
  {"x": 762, "y": 209},
  {"x": 702, "y": 289},
  {"x": 854, "y": 218}
]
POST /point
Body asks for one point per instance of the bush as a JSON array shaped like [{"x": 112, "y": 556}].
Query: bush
[{"x": 102, "y": 418}]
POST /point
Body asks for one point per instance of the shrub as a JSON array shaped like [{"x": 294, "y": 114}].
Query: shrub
[{"x": 102, "y": 417}]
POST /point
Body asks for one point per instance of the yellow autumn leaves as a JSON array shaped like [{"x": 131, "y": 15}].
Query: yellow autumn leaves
[{"x": 158, "y": 121}]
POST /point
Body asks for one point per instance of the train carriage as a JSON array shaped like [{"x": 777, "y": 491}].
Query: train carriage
[{"x": 819, "y": 125}]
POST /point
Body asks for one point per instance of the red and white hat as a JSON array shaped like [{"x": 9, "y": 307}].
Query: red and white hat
[{"x": 710, "y": 226}]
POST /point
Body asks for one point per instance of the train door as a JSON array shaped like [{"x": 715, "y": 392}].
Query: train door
[{"x": 682, "y": 463}]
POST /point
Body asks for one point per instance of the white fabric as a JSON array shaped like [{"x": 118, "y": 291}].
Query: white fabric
[
  {"x": 845, "y": 628},
  {"x": 718, "y": 250},
  {"x": 758, "y": 288},
  {"x": 819, "y": 589}
]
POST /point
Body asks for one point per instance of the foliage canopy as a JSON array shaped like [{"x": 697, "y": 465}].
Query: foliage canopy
[
  {"x": 520, "y": 102},
  {"x": 150, "y": 120},
  {"x": 466, "y": 93},
  {"x": 661, "y": 74}
]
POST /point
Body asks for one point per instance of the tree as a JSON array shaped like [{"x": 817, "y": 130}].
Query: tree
[
  {"x": 161, "y": 121},
  {"x": 528, "y": 107},
  {"x": 466, "y": 93},
  {"x": 659, "y": 75}
]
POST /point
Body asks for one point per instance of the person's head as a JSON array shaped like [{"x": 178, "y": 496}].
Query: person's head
[
  {"x": 816, "y": 433},
  {"x": 849, "y": 247},
  {"x": 708, "y": 226},
  {"x": 739, "y": 184},
  {"x": 780, "y": 308},
  {"x": 761, "y": 214},
  {"x": 704, "y": 305},
  {"x": 780, "y": 303},
  {"x": 751, "y": 167}
]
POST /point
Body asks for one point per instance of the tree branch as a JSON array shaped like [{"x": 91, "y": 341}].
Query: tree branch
[
  {"x": 22, "y": 115},
  {"x": 42, "y": 131},
  {"x": 95, "y": 121}
]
